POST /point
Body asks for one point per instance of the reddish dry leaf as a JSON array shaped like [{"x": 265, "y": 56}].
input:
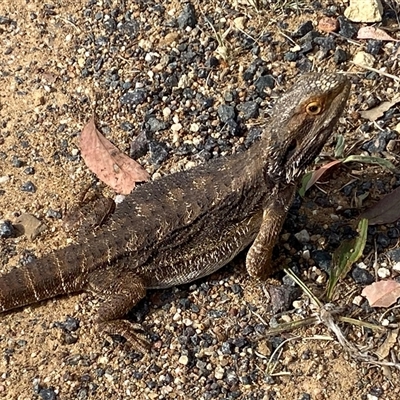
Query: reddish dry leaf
[
  {"x": 382, "y": 293},
  {"x": 370, "y": 32},
  {"x": 316, "y": 175},
  {"x": 386, "y": 210},
  {"x": 109, "y": 164}
]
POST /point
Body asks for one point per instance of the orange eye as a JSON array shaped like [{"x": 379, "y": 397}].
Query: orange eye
[{"x": 313, "y": 108}]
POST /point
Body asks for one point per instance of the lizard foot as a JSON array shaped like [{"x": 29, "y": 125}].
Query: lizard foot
[{"x": 132, "y": 332}]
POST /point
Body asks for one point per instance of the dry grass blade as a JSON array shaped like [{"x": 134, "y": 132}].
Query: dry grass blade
[
  {"x": 370, "y": 160},
  {"x": 327, "y": 319}
]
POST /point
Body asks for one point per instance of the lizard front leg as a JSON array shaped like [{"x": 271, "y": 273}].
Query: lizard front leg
[
  {"x": 120, "y": 293},
  {"x": 258, "y": 259}
]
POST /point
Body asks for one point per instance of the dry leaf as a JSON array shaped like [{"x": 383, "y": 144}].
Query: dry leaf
[
  {"x": 391, "y": 339},
  {"x": 382, "y": 293},
  {"x": 109, "y": 164},
  {"x": 374, "y": 113},
  {"x": 386, "y": 210},
  {"x": 371, "y": 32}
]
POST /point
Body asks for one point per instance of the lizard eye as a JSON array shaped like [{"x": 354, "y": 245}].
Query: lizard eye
[{"x": 313, "y": 108}]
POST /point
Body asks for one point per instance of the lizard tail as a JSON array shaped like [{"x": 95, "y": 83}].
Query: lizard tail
[{"x": 60, "y": 272}]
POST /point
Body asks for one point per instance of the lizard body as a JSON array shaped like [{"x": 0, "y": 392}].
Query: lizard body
[{"x": 189, "y": 224}]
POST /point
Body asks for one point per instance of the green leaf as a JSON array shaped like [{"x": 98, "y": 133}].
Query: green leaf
[
  {"x": 371, "y": 160},
  {"x": 339, "y": 148},
  {"x": 345, "y": 256},
  {"x": 304, "y": 183}
]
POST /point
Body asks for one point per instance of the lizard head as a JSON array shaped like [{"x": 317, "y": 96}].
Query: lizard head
[{"x": 302, "y": 122}]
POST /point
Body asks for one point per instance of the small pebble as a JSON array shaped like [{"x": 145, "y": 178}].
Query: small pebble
[
  {"x": 383, "y": 273},
  {"x": 6, "y": 229},
  {"x": 28, "y": 187},
  {"x": 184, "y": 360},
  {"x": 303, "y": 236}
]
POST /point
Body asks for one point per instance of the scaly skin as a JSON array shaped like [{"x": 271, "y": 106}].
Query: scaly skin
[{"x": 189, "y": 224}]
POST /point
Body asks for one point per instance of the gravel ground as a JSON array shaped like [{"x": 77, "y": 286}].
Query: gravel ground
[{"x": 195, "y": 81}]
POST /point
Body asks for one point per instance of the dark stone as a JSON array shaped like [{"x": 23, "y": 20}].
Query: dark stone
[
  {"x": 140, "y": 145},
  {"x": 16, "y": 162},
  {"x": 110, "y": 25},
  {"x": 69, "y": 325},
  {"x": 4, "y": 20},
  {"x": 236, "y": 289},
  {"x": 207, "y": 102},
  {"x": 263, "y": 82},
  {"x": 232, "y": 127},
  {"x": 130, "y": 28},
  {"x": 252, "y": 69},
  {"x": 187, "y": 17},
  {"x": 6, "y": 229},
  {"x": 249, "y": 109},
  {"x": 309, "y": 38},
  {"x": 394, "y": 255},
  {"x": 291, "y": 56},
  {"x": 374, "y": 46},
  {"x": 227, "y": 348},
  {"x": 247, "y": 330},
  {"x": 136, "y": 96},
  {"x": 322, "y": 259},
  {"x": 47, "y": 394},
  {"x": 28, "y": 187},
  {"x": 156, "y": 125},
  {"x": 304, "y": 65},
  {"x": 346, "y": 28},
  {"x": 362, "y": 276},
  {"x": 158, "y": 153},
  {"x": 98, "y": 64},
  {"x": 226, "y": 113},
  {"x": 240, "y": 342},
  {"x": 340, "y": 56},
  {"x": 379, "y": 143},
  {"x": 282, "y": 297},
  {"x": 326, "y": 43},
  {"x": 383, "y": 240},
  {"x": 127, "y": 126},
  {"x": 306, "y": 47},
  {"x": 260, "y": 329},
  {"x": 101, "y": 41},
  {"x": 230, "y": 95},
  {"x": 212, "y": 62},
  {"x": 303, "y": 29}
]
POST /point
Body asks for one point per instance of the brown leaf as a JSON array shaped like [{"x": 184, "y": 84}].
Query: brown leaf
[
  {"x": 382, "y": 293},
  {"x": 390, "y": 341},
  {"x": 374, "y": 113},
  {"x": 385, "y": 211},
  {"x": 371, "y": 32},
  {"x": 109, "y": 164}
]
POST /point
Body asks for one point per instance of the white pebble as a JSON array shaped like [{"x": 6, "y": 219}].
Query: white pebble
[
  {"x": 396, "y": 267},
  {"x": 184, "y": 360},
  {"x": 383, "y": 273}
]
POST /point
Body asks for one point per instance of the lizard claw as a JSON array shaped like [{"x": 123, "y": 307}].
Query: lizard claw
[{"x": 132, "y": 332}]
